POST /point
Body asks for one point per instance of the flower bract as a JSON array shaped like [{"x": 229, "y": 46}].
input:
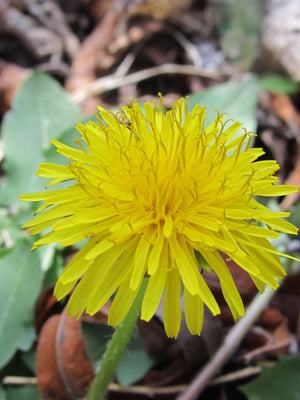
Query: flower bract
[{"x": 155, "y": 193}]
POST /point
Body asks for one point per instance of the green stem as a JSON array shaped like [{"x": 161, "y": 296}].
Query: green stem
[{"x": 115, "y": 349}]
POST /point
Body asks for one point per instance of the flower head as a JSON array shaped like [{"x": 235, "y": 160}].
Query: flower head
[{"x": 151, "y": 192}]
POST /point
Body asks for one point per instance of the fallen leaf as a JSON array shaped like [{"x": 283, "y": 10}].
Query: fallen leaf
[
  {"x": 284, "y": 108},
  {"x": 289, "y": 305},
  {"x": 63, "y": 370},
  {"x": 75, "y": 368},
  {"x": 273, "y": 343},
  {"x": 293, "y": 179},
  {"x": 46, "y": 306},
  {"x": 83, "y": 68},
  {"x": 271, "y": 318},
  {"x": 11, "y": 78},
  {"x": 49, "y": 380},
  {"x": 278, "y": 382}
]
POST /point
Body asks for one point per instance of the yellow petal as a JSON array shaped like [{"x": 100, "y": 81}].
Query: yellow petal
[
  {"x": 258, "y": 283},
  {"x": 187, "y": 266},
  {"x": 155, "y": 286},
  {"x": 71, "y": 153},
  {"x": 140, "y": 261},
  {"x": 258, "y": 231},
  {"x": 228, "y": 286},
  {"x": 121, "y": 303},
  {"x": 172, "y": 309},
  {"x": 100, "y": 246},
  {"x": 97, "y": 275},
  {"x": 193, "y": 312},
  {"x": 276, "y": 190},
  {"x": 204, "y": 221},
  {"x": 78, "y": 265},
  {"x": 282, "y": 225},
  {"x": 62, "y": 289},
  {"x": 111, "y": 280},
  {"x": 168, "y": 226},
  {"x": 156, "y": 254},
  {"x": 65, "y": 237}
]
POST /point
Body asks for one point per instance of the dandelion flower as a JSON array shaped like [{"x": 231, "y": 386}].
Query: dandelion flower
[{"x": 155, "y": 192}]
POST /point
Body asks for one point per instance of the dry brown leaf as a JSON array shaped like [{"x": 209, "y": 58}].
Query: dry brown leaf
[
  {"x": 49, "y": 381},
  {"x": 63, "y": 370},
  {"x": 282, "y": 338},
  {"x": 83, "y": 68},
  {"x": 75, "y": 368},
  {"x": 289, "y": 305},
  {"x": 268, "y": 343},
  {"x": 157, "y": 9},
  {"x": 11, "y": 78},
  {"x": 97, "y": 8},
  {"x": 293, "y": 179},
  {"x": 284, "y": 108},
  {"x": 271, "y": 318},
  {"x": 46, "y": 306}
]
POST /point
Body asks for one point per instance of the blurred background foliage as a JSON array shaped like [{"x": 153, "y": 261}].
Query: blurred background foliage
[{"x": 57, "y": 62}]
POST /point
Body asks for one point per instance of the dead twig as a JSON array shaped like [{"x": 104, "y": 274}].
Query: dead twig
[
  {"x": 230, "y": 344},
  {"x": 150, "y": 390},
  {"x": 19, "y": 380},
  {"x": 115, "y": 81}
]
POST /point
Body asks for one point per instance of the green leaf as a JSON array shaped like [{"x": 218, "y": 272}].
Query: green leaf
[
  {"x": 278, "y": 84},
  {"x": 278, "y": 382},
  {"x": 54, "y": 269},
  {"x": 68, "y": 137},
  {"x": 20, "y": 284},
  {"x": 17, "y": 366},
  {"x": 2, "y": 394},
  {"x": 239, "y": 100},
  {"x": 135, "y": 362},
  {"x": 10, "y": 225},
  {"x": 239, "y": 23},
  {"x": 41, "y": 111},
  {"x": 29, "y": 359},
  {"x": 23, "y": 393},
  {"x": 96, "y": 337},
  {"x": 295, "y": 215}
]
